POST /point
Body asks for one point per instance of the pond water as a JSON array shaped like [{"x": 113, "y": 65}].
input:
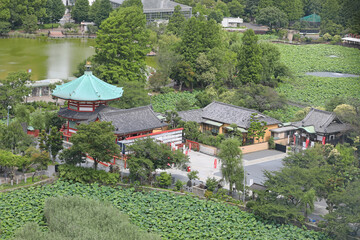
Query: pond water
[
  {"x": 330, "y": 74},
  {"x": 54, "y": 58}
]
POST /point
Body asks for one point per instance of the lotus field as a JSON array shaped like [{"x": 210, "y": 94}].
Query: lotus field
[
  {"x": 316, "y": 91},
  {"x": 169, "y": 215},
  {"x": 167, "y": 101}
]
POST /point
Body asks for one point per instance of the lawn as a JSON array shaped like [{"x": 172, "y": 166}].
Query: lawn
[
  {"x": 171, "y": 216},
  {"x": 316, "y": 91}
]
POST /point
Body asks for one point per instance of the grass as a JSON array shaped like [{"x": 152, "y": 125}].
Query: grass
[
  {"x": 151, "y": 61},
  {"x": 22, "y": 183}
]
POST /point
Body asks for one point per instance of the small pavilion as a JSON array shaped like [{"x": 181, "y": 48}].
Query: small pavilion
[
  {"x": 86, "y": 97},
  {"x": 87, "y": 101}
]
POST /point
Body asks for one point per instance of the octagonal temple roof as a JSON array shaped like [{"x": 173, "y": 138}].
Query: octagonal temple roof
[{"x": 87, "y": 88}]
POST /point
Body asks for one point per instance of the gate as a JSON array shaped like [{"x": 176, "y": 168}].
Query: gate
[{"x": 281, "y": 148}]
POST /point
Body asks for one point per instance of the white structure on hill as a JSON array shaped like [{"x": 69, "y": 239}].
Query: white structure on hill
[{"x": 231, "y": 22}]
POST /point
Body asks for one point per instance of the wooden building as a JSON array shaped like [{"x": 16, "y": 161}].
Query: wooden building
[
  {"x": 217, "y": 118},
  {"x": 87, "y": 101}
]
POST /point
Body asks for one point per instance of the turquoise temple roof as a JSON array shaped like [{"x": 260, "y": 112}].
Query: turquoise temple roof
[{"x": 87, "y": 88}]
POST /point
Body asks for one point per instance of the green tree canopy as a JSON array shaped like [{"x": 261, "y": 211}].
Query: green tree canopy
[
  {"x": 30, "y": 23},
  {"x": 97, "y": 140},
  {"x": 80, "y": 11},
  {"x": 99, "y": 11},
  {"x": 176, "y": 22},
  {"x": 55, "y": 10},
  {"x": 273, "y": 17},
  {"x": 121, "y": 46},
  {"x": 249, "y": 68},
  {"x": 231, "y": 163}
]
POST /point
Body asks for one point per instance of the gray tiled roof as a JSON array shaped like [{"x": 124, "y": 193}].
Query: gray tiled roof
[
  {"x": 225, "y": 113},
  {"x": 132, "y": 120},
  {"x": 323, "y": 122},
  {"x": 194, "y": 115},
  {"x": 84, "y": 116}
]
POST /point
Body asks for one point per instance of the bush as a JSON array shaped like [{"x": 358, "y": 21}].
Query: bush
[
  {"x": 164, "y": 180},
  {"x": 208, "y": 194},
  {"x": 166, "y": 90},
  {"x": 87, "y": 175},
  {"x": 327, "y": 37},
  {"x": 211, "y": 184},
  {"x": 250, "y": 204},
  {"x": 271, "y": 143},
  {"x": 211, "y": 140},
  {"x": 178, "y": 185},
  {"x": 89, "y": 219}
]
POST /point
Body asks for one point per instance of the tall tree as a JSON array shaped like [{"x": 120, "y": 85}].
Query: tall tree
[
  {"x": 121, "y": 46},
  {"x": 231, "y": 163},
  {"x": 176, "y": 21},
  {"x": 99, "y": 11},
  {"x": 55, "y": 10},
  {"x": 132, "y": 3},
  {"x": 236, "y": 9},
  {"x": 80, "y": 11},
  {"x": 292, "y": 8},
  {"x": 249, "y": 69},
  {"x": 257, "y": 129},
  {"x": 97, "y": 140},
  {"x": 13, "y": 90},
  {"x": 273, "y": 17},
  {"x": 30, "y": 23},
  {"x": 51, "y": 142}
]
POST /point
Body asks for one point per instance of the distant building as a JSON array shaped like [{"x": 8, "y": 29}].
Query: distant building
[
  {"x": 158, "y": 9},
  {"x": 231, "y": 22}
]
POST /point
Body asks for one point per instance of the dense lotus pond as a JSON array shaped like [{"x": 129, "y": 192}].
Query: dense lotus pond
[
  {"x": 50, "y": 58},
  {"x": 331, "y": 74}
]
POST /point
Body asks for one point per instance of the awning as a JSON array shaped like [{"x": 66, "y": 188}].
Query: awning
[
  {"x": 213, "y": 123},
  {"x": 239, "y": 128},
  {"x": 309, "y": 129},
  {"x": 283, "y": 129}
]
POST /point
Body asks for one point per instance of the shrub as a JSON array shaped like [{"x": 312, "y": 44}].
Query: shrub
[
  {"x": 87, "y": 175},
  {"x": 211, "y": 184},
  {"x": 208, "y": 194},
  {"x": 327, "y": 37},
  {"x": 250, "y": 204},
  {"x": 178, "y": 185},
  {"x": 271, "y": 143},
  {"x": 164, "y": 180},
  {"x": 89, "y": 219}
]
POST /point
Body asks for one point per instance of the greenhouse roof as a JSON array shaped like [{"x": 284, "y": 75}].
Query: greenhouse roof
[
  {"x": 311, "y": 18},
  {"x": 87, "y": 88}
]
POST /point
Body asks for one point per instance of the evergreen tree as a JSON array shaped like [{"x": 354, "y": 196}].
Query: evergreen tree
[
  {"x": 55, "y": 10},
  {"x": 249, "y": 69},
  {"x": 132, "y": 3},
  {"x": 80, "y": 11},
  {"x": 99, "y": 11},
  {"x": 122, "y": 45},
  {"x": 176, "y": 21},
  {"x": 273, "y": 17}
]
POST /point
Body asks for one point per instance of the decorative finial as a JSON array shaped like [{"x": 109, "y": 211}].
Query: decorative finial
[{"x": 88, "y": 66}]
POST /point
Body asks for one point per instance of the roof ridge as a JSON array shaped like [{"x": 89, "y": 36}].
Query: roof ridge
[
  {"x": 126, "y": 110},
  {"x": 231, "y": 105}
]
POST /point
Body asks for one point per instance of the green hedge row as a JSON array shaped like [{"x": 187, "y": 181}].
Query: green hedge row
[{"x": 87, "y": 175}]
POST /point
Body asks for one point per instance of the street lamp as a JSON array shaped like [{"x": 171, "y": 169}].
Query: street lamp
[{"x": 8, "y": 107}]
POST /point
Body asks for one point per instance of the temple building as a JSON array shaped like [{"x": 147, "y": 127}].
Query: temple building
[{"x": 87, "y": 101}]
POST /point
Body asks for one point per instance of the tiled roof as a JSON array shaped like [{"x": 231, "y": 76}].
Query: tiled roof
[
  {"x": 87, "y": 88},
  {"x": 132, "y": 120},
  {"x": 84, "y": 116},
  {"x": 226, "y": 113},
  {"x": 322, "y": 121}
]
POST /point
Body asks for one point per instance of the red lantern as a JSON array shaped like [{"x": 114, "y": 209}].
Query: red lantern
[
  {"x": 323, "y": 140},
  {"x": 307, "y": 143},
  {"x": 215, "y": 163},
  {"x": 188, "y": 169}
]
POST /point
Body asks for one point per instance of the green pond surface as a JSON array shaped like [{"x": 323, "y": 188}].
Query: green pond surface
[{"x": 47, "y": 59}]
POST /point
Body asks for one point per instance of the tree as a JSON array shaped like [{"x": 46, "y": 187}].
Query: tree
[
  {"x": 176, "y": 22},
  {"x": 10, "y": 161},
  {"x": 236, "y": 9},
  {"x": 121, "y": 46},
  {"x": 192, "y": 175},
  {"x": 183, "y": 74},
  {"x": 172, "y": 117},
  {"x": 257, "y": 129},
  {"x": 183, "y": 105},
  {"x": 97, "y": 140},
  {"x": 30, "y": 23},
  {"x": 13, "y": 90},
  {"x": 273, "y": 17},
  {"x": 216, "y": 15},
  {"x": 13, "y": 138},
  {"x": 249, "y": 68},
  {"x": 22, "y": 114},
  {"x": 205, "y": 71},
  {"x": 231, "y": 163},
  {"x": 52, "y": 142},
  {"x": 99, "y": 11},
  {"x": 72, "y": 156},
  {"x": 345, "y": 112},
  {"x": 147, "y": 156},
  {"x": 345, "y": 219},
  {"x": 37, "y": 119},
  {"x": 191, "y": 130},
  {"x": 4, "y": 28},
  {"x": 132, "y": 3},
  {"x": 134, "y": 96},
  {"x": 55, "y": 10},
  {"x": 52, "y": 119},
  {"x": 293, "y": 9},
  {"x": 80, "y": 11}
]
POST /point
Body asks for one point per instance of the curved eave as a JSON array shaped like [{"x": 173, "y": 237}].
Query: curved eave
[{"x": 86, "y": 100}]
